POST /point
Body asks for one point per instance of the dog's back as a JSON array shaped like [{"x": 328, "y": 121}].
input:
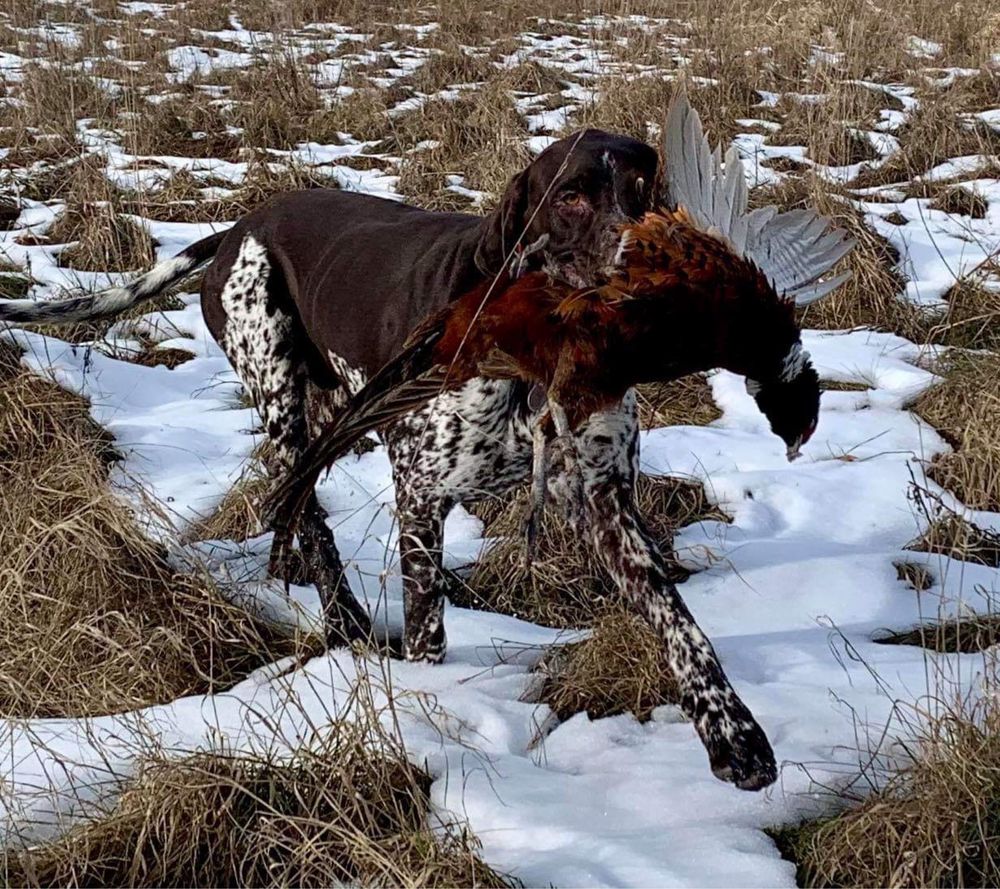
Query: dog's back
[{"x": 359, "y": 271}]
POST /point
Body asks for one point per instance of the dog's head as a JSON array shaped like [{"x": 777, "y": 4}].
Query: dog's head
[{"x": 574, "y": 196}]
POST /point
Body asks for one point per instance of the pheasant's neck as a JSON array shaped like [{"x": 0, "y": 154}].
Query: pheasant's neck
[
  {"x": 752, "y": 334},
  {"x": 759, "y": 339}
]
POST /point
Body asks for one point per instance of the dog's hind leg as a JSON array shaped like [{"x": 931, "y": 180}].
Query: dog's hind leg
[{"x": 262, "y": 337}]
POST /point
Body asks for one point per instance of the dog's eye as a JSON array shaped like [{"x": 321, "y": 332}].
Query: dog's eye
[{"x": 573, "y": 198}]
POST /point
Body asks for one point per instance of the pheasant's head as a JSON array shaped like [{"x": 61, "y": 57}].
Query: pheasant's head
[{"x": 790, "y": 400}]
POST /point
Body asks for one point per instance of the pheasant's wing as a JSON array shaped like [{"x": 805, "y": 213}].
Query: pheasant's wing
[
  {"x": 405, "y": 383},
  {"x": 795, "y": 250}
]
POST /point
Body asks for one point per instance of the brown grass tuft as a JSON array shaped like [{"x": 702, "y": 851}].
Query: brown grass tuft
[
  {"x": 962, "y": 202},
  {"x": 619, "y": 668},
  {"x": 965, "y": 409},
  {"x": 972, "y": 319},
  {"x": 932, "y": 135},
  {"x": 953, "y": 536},
  {"x": 914, "y": 575},
  {"x": 480, "y": 138},
  {"x": 92, "y": 619},
  {"x": 275, "y": 103},
  {"x": 55, "y": 97},
  {"x": 871, "y": 297},
  {"x": 626, "y": 105},
  {"x": 686, "y": 401},
  {"x": 934, "y": 823},
  {"x": 967, "y": 634},
  {"x": 829, "y": 129},
  {"x": 566, "y": 585},
  {"x": 348, "y": 810},
  {"x": 239, "y": 515},
  {"x": 101, "y": 239}
]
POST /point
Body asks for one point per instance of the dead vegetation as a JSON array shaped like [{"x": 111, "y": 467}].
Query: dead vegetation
[
  {"x": 99, "y": 238},
  {"x": 618, "y": 668},
  {"x": 566, "y": 584},
  {"x": 347, "y": 810},
  {"x": 687, "y": 401},
  {"x": 965, "y": 409},
  {"x": 239, "y": 515},
  {"x": 967, "y": 634},
  {"x": 931, "y": 135},
  {"x": 228, "y": 819},
  {"x": 934, "y": 823},
  {"x": 479, "y": 138},
  {"x": 92, "y": 618}
]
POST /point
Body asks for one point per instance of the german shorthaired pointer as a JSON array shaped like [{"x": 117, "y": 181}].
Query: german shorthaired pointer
[{"x": 314, "y": 291}]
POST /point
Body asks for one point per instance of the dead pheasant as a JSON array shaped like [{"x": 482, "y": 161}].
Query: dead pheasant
[{"x": 700, "y": 286}]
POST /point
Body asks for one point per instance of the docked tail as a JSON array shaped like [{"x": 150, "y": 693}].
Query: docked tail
[
  {"x": 114, "y": 300},
  {"x": 405, "y": 383},
  {"x": 795, "y": 250}
]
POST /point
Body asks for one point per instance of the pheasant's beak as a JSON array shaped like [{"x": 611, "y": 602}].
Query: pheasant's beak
[{"x": 793, "y": 449}]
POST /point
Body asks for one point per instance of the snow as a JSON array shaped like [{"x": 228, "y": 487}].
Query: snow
[
  {"x": 804, "y": 573},
  {"x": 792, "y": 592},
  {"x": 188, "y": 61}
]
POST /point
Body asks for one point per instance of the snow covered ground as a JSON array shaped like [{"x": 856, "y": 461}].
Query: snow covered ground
[{"x": 792, "y": 593}]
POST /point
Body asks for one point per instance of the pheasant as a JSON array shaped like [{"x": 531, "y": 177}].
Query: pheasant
[{"x": 699, "y": 284}]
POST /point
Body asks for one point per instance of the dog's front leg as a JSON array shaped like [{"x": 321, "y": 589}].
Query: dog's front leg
[
  {"x": 421, "y": 530},
  {"x": 607, "y": 451}
]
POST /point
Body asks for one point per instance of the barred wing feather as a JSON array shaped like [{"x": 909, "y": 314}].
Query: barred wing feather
[{"x": 795, "y": 249}]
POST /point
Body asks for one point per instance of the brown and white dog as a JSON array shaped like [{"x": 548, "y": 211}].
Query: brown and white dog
[{"x": 312, "y": 292}]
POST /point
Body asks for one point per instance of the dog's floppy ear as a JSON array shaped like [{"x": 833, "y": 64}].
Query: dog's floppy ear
[{"x": 503, "y": 226}]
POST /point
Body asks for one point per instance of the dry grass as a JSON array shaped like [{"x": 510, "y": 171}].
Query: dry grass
[
  {"x": 101, "y": 239},
  {"x": 687, "y": 401},
  {"x": 871, "y": 298},
  {"x": 619, "y": 668},
  {"x": 915, "y": 576},
  {"x": 276, "y": 103},
  {"x": 169, "y": 127},
  {"x": 965, "y": 409},
  {"x": 961, "y": 201},
  {"x": 961, "y": 635},
  {"x": 829, "y": 128},
  {"x": 932, "y": 135},
  {"x": 953, "y": 536},
  {"x": 229, "y": 820},
  {"x": 239, "y": 515},
  {"x": 480, "y": 138},
  {"x": 972, "y": 318},
  {"x": 935, "y": 823},
  {"x": 566, "y": 584},
  {"x": 54, "y": 98},
  {"x": 348, "y": 810},
  {"x": 92, "y": 619}
]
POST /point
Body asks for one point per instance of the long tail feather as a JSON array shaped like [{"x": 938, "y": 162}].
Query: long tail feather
[
  {"x": 404, "y": 384},
  {"x": 795, "y": 250}
]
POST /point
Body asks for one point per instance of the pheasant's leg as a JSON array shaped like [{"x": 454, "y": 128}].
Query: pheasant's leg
[
  {"x": 738, "y": 749},
  {"x": 575, "y": 501},
  {"x": 536, "y": 503}
]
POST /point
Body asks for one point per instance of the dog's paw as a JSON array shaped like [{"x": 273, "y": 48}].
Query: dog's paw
[{"x": 740, "y": 753}]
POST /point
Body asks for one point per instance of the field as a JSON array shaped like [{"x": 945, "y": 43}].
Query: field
[{"x": 170, "y": 717}]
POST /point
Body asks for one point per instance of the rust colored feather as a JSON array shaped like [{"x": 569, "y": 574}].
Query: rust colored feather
[{"x": 670, "y": 294}]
